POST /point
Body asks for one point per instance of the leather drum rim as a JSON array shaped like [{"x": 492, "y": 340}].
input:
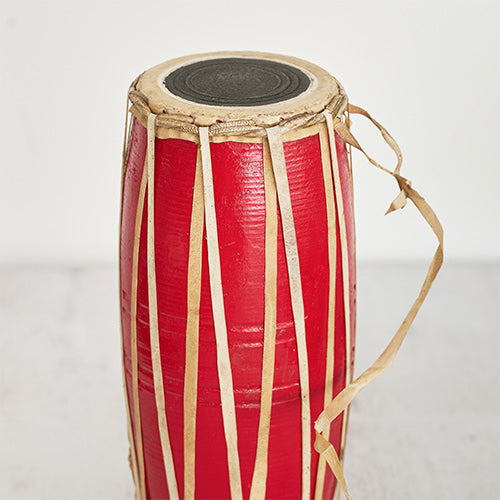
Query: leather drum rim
[{"x": 322, "y": 90}]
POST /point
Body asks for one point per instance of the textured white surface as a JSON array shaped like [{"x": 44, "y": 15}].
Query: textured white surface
[{"x": 428, "y": 429}]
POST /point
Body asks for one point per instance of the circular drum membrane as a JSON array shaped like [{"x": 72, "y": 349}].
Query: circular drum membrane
[{"x": 237, "y": 81}]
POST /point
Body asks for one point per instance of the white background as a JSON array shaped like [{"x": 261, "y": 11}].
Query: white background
[{"x": 428, "y": 70}]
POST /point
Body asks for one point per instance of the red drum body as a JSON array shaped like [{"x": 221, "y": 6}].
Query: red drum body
[{"x": 326, "y": 256}]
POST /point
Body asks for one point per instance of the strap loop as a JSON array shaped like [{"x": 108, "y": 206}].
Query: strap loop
[{"x": 346, "y": 396}]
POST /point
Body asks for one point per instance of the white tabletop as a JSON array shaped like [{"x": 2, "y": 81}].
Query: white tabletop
[{"x": 427, "y": 429}]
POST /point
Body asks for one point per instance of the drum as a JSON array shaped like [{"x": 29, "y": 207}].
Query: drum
[{"x": 237, "y": 270}]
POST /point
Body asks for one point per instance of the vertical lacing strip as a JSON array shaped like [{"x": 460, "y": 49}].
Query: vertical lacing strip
[
  {"x": 345, "y": 265},
  {"x": 259, "y": 478},
  {"x": 332, "y": 263},
  {"x": 153, "y": 319},
  {"x": 223, "y": 360},
  {"x": 292, "y": 258},
  {"x": 192, "y": 332},
  {"x": 135, "y": 397}
]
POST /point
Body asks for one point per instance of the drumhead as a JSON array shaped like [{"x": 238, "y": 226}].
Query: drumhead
[{"x": 229, "y": 86}]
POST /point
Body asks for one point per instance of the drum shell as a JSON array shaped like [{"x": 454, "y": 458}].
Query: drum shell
[{"x": 240, "y": 209}]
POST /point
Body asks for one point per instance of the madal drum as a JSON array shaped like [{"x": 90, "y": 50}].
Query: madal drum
[{"x": 237, "y": 273}]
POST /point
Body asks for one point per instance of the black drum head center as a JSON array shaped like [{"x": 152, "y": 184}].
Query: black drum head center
[{"x": 237, "y": 81}]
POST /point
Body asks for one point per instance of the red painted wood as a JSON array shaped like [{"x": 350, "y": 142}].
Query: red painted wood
[{"x": 240, "y": 209}]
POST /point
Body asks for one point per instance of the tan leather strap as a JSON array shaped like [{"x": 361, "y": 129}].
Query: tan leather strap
[
  {"x": 137, "y": 470},
  {"x": 259, "y": 477},
  {"x": 293, "y": 265},
  {"x": 344, "y": 252},
  {"x": 345, "y": 397},
  {"x": 219, "y": 315},
  {"x": 166, "y": 447},
  {"x": 192, "y": 331},
  {"x": 331, "y": 215},
  {"x": 141, "y": 486}
]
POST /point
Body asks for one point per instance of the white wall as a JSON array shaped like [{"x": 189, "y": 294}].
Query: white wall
[{"x": 428, "y": 70}]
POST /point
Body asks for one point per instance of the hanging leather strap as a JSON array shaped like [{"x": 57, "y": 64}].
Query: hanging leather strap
[{"x": 346, "y": 396}]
